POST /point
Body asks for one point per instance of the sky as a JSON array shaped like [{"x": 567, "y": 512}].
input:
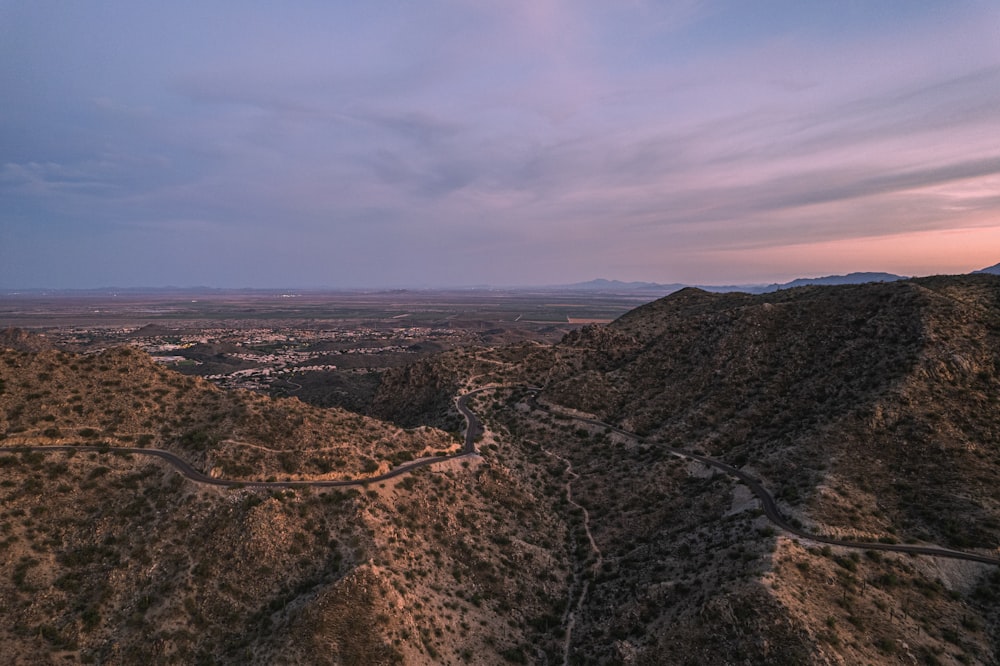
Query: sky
[{"x": 517, "y": 142}]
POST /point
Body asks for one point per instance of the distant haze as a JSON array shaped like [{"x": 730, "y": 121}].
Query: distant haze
[{"x": 449, "y": 142}]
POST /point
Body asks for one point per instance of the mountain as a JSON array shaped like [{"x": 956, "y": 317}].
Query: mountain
[
  {"x": 120, "y": 397},
  {"x": 868, "y": 411},
  {"x": 18, "y": 339},
  {"x": 850, "y": 278},
  {"x": 586, "y": 530},
  {"x": 994, "y": 270},
  {"x": 619, "y": 287},
  {"x": 117, "y": 557},
  {"x": 908, "y": 364}
]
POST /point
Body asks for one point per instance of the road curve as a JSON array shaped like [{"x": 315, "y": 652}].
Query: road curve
[
  {"x": 473, "y": 426},
  {"x": 473, "y": 429},
  {"x": 770, "y": 507}
]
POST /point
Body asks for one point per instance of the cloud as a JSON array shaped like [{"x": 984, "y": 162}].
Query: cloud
[{"x": 563, "y": 134}]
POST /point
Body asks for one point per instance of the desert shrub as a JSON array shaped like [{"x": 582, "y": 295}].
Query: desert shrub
[
  {"x": 199, "y": 440},
  {"x": 91, "y": 617},
  {"x": 98, "y": 472}
]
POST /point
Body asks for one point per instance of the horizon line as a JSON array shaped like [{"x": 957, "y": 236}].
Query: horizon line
[{"x": 9, "y": 291}]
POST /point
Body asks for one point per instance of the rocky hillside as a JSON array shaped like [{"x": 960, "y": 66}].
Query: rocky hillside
[
  {"x": 17, "y": 339},
  {"x": 121, "y": 398},
  {"x": 868, "y": 411},
  {"x": 116, "y": 558},
  {"x": 873, "y": 386}
]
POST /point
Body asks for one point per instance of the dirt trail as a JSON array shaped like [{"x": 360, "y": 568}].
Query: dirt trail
[{"x": 569, "y": 617}]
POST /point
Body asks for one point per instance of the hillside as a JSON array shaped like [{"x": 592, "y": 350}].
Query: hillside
[
  {"x": 120, "y": 397},
  {"x": 809, "y": 384},
  {"x": 116, "y": 558},
  {"x": 869, "y": 412}
]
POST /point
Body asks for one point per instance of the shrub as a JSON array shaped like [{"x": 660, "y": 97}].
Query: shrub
[
  {"x": 98, "y": 472},
  {"x": 91, "y": 618}
]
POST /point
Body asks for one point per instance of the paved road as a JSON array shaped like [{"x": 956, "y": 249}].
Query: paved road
[
  {"x": 473, "y": 429},
  {"x": 770, "y": 507},
  {"x": 473, "y": 426},
  {"x": 192, "y": 474}
]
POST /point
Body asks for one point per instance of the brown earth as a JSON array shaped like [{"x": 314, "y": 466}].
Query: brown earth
[{"x": 869, "y": 411}]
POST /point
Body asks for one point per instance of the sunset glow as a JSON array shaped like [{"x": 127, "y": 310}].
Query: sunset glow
[{"x": 458, "y": 143}]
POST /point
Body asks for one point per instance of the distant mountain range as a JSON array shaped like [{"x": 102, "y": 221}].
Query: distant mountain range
[
  {"x": 850, "y": 278},
  {"x": 599, "y": 285},
  {"x": 659, "y": 289},
  {"x": 617, "y": 286}
]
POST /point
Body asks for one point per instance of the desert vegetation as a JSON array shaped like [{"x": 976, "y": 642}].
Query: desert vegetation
[{"x": 868, "y": 411}]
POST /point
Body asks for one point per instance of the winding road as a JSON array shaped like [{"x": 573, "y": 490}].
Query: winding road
[
  {"x": 770, "y": 507},
  {"x": 474, "y": 428}
]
